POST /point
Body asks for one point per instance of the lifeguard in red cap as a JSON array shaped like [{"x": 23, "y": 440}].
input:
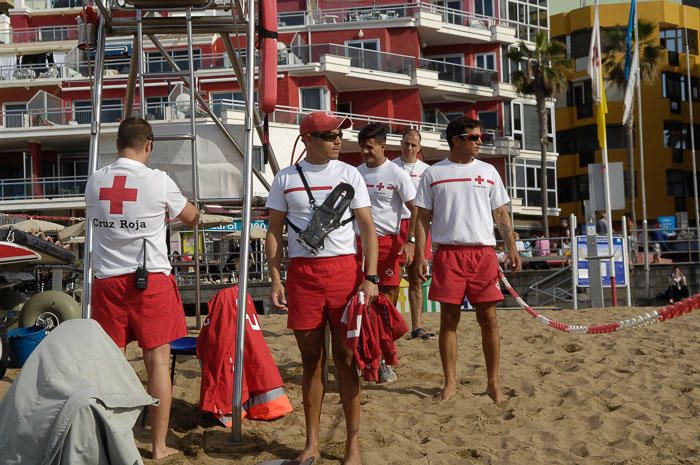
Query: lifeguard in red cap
[
  {"x": 126, "y": 206},
  {"x": 322, "y": 274}
]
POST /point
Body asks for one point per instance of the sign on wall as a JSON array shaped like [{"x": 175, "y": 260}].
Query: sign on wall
[{"x": 620, "y": 260}]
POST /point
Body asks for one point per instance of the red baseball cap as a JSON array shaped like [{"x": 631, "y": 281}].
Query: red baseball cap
[{"x": 322, "y": 121}]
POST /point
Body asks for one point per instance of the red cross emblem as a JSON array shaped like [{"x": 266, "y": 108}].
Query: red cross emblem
[
  {"x": 479, "y": 179},
  {"x": 380, "y": 186},
  {"x": 117, "y": 195}
]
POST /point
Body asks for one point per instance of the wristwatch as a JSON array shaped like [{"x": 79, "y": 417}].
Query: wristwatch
[
  {"x": 373, "y": 278},
  {"x": 412, "y": 239}
]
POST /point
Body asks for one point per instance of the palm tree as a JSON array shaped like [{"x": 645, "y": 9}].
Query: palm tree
[
  {"x": 615, "y": 41},
  {"x": 542, "y": 72}
]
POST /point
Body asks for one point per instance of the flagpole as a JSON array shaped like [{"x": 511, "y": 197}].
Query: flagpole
[
  {"x": 645, "y": 231},
  {"x": 692, "y": 131},
  {"x": 606, "y": 168}
]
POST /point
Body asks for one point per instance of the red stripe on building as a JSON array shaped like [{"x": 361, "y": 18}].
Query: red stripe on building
[
  {"x": 317, "y": 188},
  {"x": 451, "y": 180}
]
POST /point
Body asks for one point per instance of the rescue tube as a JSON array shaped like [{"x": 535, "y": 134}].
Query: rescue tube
[
  {"x": 267, "y": 36},
  {"x": 49, "y": 309}
]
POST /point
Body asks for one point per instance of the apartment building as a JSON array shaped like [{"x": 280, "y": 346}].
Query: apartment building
[
  {"x": 665, "y": 109},
  {"x": 412, "y": 64}
]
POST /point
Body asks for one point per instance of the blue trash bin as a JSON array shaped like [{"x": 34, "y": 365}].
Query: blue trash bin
[{"x": 23, "y": 341}]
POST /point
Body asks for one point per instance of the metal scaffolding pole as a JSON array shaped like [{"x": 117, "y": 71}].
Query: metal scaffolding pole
[
  {"x": 92, "y": 166},
  {"x": 245, "y": 228}
]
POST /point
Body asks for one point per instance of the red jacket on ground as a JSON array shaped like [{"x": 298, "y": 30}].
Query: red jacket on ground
[
  {"x": 371, "y": 332},
  {"x": 263, "y": 396}
]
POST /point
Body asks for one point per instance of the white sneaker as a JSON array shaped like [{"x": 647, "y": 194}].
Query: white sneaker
[{"x": 386, "y": 373}]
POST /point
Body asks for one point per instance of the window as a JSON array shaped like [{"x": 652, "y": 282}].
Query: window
[
  {"x": 111, "y": 110},
  {"x": 526, "y": 126},
  {"x": 679, "y": 183},
  {"x": 82, "y": 111},
  {"x": 363, "y": 53},
  {"x": 14, "y": 115},
  {"x": 572, "y": 189},
  {"x": 486, "y": 61},
  {"x": 674, "y": 41},
  {"x": 449, "y": 67},
  {"x": 483, "y": 7},
  {"x": 157, "y": 64},
  {"x": 314, "y": 98},
  {"x": 344, "y": 107},
  {"x": 616, "y": 136},
  {"x": 676, "y": 138},
  {"x": 489, "y": 119},
  {"x": 528, "y": 18},
  {"x": 155, "y": 107},
  {"x": 451, "y": 15},
  {"x": 674, "y": 88},
  {"x": 453, "y": 115},
  {"x": 581, "y": 96},
  {"x": 527, "y": 182}
]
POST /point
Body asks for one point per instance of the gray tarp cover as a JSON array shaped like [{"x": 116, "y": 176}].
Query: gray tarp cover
[{"x": 75, "y": 401}]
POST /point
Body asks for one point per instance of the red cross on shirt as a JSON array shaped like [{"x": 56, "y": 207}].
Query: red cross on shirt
[
  {"x": 117, "y": 195},
  {"x": 380, "y": 186},
  {"x": 479, "y": 179}
]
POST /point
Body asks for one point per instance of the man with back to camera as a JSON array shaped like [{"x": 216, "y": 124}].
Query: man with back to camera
[
  {"x": 320, "y": 286},
  {"x": 410, "y": 163},
  {"x": 390, "y": 190},
  {"x": 126, "y": 203},
  {"x": 463, "y": 197}
]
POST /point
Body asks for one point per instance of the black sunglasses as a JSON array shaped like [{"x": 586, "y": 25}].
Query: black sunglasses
[
  {"x": 328, "y": 136},
  {"x": 470, "y": 137}
]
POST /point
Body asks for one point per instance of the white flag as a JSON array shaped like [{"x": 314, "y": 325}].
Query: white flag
[
  {"x": 594, "y": 63},
  {"x": 631, "y": 83}
]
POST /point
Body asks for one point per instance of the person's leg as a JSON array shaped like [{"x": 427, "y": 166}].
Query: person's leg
[
  {"x": 157, "y": 363},
  {"x": 491, "y": 345},
  {"x": 349, "y": 389},
  {"x": 415, "y": 297},
  {"x": 447, "y": 341},
  {"x": 391, "y": 293},
  {"x": 313, "y": 358}
]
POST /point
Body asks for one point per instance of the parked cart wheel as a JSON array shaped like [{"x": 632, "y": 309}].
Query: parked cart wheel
[{"x": 49, "y": 309}]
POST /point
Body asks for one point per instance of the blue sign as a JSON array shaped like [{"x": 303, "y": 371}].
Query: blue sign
[
  {"x": 667, "y": 222},
  {"x": 235, "y": 225},
  {"x": 620, "y": 259}
]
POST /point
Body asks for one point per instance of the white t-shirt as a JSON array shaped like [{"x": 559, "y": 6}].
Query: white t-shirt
[
  {"x": 126, "y": 203},
  {"x": 462, "y": 198},
  {"x": 389, "y": 188},
  {"x": 415, "y": 172},
  {"x": 287, "y": 194}
]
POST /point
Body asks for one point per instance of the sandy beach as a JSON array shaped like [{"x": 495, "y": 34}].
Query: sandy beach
[{"x": 630, "y": 398}]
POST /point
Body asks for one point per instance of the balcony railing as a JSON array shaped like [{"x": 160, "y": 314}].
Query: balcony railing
[
  {"x": 369, "y": 13},
  {"x": 40, "y": 34},
  {"x": 42, "y": 188},
  {"x": 392, "y": 63},
  {"x": 49, "y": 4}
]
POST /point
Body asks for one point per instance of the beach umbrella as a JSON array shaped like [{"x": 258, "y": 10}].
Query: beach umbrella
[
  {"x": 35, "y": 226},
  {"x": 255, "y": 233},
  {"x": 72, "y": 231},
  {"x": 207, "y": 219}
]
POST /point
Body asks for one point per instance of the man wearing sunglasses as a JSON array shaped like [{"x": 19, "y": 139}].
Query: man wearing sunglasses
[
  {"x": 126, "y": 204},
  {"x": 319, "y": 286},
  {"x": 464, "y": 197}
]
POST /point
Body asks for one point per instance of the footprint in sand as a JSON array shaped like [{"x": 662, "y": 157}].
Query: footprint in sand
[{"x": 573, "y": 347}]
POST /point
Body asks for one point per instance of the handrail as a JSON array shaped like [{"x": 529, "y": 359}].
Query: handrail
[
  {"x": 40, "y": 34},
  {"x": 41, "y": 188}
]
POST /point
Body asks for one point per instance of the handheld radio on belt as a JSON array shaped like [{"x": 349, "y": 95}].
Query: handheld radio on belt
[{"x": 142, "y": 271}]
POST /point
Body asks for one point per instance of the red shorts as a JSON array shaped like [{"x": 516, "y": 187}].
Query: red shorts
[
  {"x": 153, "y": 316},
  {"x": 403, "y": 236},
  {"x": 318, "y": 290},
  {"x": 465, "y": 270},
  {"x": 388, "y": 260}
]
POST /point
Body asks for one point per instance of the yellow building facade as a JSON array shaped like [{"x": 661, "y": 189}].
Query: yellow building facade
[{"x": 665, "y": 112}]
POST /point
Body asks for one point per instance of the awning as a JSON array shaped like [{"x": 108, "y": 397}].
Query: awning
[{"x": 114, "y": 50}]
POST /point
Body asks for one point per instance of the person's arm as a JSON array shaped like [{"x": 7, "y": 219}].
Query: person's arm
[
  {"x": 273, "y": 250},
  {"x": 409, "y": 247},
  {"x": 501, "y": 217},
  {"x": 370, "y": 249},
  {"x": 422, "y": 225},
  {"x": 189, "y": 215}
]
